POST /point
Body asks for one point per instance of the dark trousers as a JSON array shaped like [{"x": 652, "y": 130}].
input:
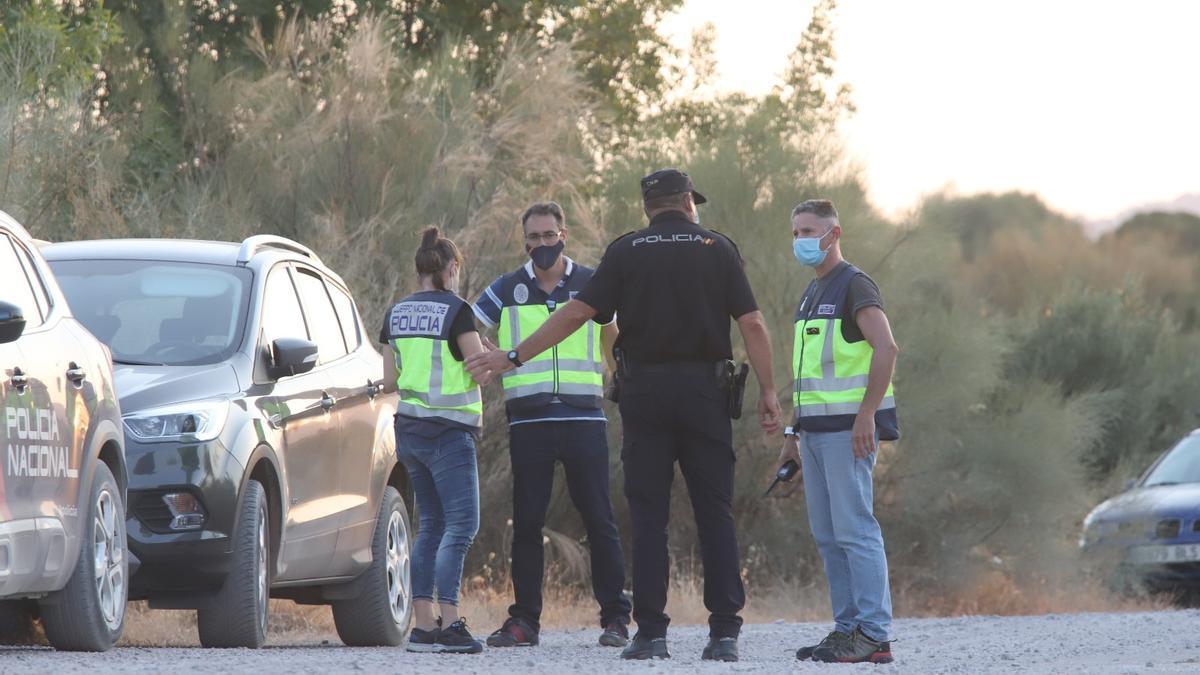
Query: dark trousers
[
  {"x": 582, "y": 447},
  {"x": 682, "y": 417}
]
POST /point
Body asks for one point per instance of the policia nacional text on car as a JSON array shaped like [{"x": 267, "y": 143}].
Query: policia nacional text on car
[
  {"x": 673, "y": 287},
  {"x": 554, "y": 415}
]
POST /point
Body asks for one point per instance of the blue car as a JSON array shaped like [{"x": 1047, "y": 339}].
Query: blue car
[{"x": 1152, "y": 530}]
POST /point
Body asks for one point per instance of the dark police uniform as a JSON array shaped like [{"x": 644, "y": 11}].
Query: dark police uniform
[{"x": 674, "y": 287}]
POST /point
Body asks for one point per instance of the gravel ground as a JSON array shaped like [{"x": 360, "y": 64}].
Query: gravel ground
[{"x": 1091, "y": 643}]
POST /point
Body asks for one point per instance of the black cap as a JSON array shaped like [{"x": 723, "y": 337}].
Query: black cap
[{"x": 669, "y": 182}]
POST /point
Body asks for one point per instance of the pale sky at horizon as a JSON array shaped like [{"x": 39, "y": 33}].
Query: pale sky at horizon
[{"x": 1084, "y": 103}]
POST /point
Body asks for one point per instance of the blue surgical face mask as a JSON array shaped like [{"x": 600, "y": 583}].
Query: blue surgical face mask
[{"x": 808, "y": 249}]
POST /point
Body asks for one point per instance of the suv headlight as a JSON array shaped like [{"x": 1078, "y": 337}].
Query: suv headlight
[{"x": 195, "y": 421}]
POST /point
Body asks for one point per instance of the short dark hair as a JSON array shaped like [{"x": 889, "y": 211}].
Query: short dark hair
[
  {"x": 821, "y": 208},
  {"x": 675, "y": 201},
  {"x": 544, "y": 209}
]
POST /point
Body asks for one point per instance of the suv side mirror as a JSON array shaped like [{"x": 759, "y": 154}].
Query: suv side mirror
[
  {"x": 1129, "y": 484},
  {"x": 12, "y": 322},
  {"x": 292, "y": 356}
]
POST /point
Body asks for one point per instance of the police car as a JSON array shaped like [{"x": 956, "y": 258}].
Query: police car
[{"x": 62, "y": 485}]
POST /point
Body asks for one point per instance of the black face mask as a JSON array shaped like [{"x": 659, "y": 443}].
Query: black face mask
[{"x": 545, "y": 256}]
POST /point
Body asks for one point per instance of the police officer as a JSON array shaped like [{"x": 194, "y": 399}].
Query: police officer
[
  {"x": 673, "y": 287},
  {"x": 843, "y": 361},
  {"x": 438, "y": 418},
  {"x": 554, "y": 416}
]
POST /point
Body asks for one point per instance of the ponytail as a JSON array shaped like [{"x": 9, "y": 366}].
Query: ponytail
[{"x": 435, "y": 255}]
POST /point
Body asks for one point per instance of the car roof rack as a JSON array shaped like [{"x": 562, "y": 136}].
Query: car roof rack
[{"x": 253, "y": 244}]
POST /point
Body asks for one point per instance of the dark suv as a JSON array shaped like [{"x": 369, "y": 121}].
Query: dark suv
[
  {"x": 62, "y": 488},
  {"x": 257, "y": 431}
]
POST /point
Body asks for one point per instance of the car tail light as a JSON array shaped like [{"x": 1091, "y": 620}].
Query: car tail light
[
  {"x": 1168, "y": 528},
  {"x": 186, "y": 511}
]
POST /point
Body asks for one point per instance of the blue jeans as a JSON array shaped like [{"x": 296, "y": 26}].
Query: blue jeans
[
  {"x": 446, "y": 483},
  {"x": 839, "y": 495}
]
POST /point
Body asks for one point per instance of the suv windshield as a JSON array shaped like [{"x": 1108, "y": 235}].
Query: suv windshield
[
  {"x": 159, "y": 313},
  {"x": 1181, "y": 465}
]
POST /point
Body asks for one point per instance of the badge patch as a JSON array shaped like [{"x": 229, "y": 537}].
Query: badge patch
[
  {"x": 826, "y": 310},
  {"x": 521, "y": 294},
  {"x": 812, "y": 331}
]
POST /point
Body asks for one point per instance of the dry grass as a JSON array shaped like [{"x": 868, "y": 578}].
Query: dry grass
[{"x": 568, "y": 607}]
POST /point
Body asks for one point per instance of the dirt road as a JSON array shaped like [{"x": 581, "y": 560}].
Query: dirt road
[{"x": 1059, "y": 644}]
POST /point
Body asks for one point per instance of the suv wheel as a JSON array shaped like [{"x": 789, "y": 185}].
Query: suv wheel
[
  {"x": 379, "y": 615},
  {"x": 237, "y": 615},
  {"x": 89, "y": 613}
]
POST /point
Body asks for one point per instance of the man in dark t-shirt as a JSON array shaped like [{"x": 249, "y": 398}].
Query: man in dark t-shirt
[
  {"x": 674, "y": 287},
  {"x": 842, "y": 362}
]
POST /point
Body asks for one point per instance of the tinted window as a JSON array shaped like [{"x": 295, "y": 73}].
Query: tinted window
[
  {"x": 14, "y": 285},
  {"x": 1181, "y": 465},
  {"x": 170, "y": 313},
  {"x": 35, "y": 280},
  {"x": 346, "y": 316},
  {"x": 322, "y": 320},
  {"x": 281, "y": 309}
]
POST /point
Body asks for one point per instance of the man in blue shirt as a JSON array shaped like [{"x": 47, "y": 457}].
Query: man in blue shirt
[{"x": 553, "y": 406}]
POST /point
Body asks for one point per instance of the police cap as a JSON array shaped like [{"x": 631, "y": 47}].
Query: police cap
[{"x": 669, "y": 182}]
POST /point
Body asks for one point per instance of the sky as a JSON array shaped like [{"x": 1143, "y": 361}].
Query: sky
[{"x": 1094, "y": 105}]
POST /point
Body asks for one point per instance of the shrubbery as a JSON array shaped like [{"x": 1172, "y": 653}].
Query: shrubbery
[{"x": 1038, "y": 370}]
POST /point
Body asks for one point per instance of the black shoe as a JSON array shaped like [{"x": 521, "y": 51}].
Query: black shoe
[
  {"x": 423, "y": 640},
  {"x": 835, "y": 637},
  {"x": 642, "y": 648},
  {"x": 615, "y": 634},
  {"x": 858, "y": 649},
  {"x": 457, "y": 640},
  {"x": 721, "y": 649},
  {"x": 514, "y": 633}
]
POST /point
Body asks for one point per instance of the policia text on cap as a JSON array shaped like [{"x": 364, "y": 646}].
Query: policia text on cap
[{"x": 673, "y": 287}]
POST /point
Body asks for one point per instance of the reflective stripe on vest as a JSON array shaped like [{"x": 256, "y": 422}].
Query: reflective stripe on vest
[
  {"x": 574, "y": 367},
  {"x": 432, "y": 384},
  {"x": 831, "y": 374}
]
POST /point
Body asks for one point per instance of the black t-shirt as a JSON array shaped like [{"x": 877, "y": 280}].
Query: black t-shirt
[
  {"x": 464, "y": 322},
  {"x": 863, "y": 292},
  {"x": 673, "y": 286}
]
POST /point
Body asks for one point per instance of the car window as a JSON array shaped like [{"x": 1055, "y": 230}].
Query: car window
[
  {"x": 1181, "y": 465},
  {"x": 15, "y": 286},
  {"x": 159, "y": 312},
  {"x": 35, "y": 280},
  {"x": 282, "y": 317},
  {"x": 322, "y": 320},
  {"x": 346, "y": 316}
]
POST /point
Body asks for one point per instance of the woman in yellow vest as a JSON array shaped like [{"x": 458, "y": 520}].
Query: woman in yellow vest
[{"x": 438, "y": 420}]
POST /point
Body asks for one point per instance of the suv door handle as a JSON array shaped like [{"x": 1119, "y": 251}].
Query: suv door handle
[
  {"x": 19, "y": 380},
  {"x": 76, "y": 374},
  {"x": 327, "y": 401},
  {"x": 373, "y": 389}
]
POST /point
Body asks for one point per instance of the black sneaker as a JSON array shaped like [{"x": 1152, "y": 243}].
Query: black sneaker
[
  {"x": 514, "y": 633},
  {"x": 423, "y": 640},
  {"x": 834, "y": 637},
  {"x": 858, "y": 649},
  {"x": 615, "y": 634},
  {"x": 457, "y": 640},
  {"x": 642, "y": 648},
  {"x": 721, "y": 649}
]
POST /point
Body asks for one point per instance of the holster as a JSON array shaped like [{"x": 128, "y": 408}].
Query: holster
[{"x": 734, "y": 382}]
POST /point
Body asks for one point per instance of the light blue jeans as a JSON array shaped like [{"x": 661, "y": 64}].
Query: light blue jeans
[
  {"x": 445, "y": 481},
  {"x": 839, "y": 495}
]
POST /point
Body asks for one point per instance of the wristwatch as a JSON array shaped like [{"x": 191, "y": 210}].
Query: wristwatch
[
  {"x": 512, "y": 356},
  {"x": 790, "y": 431}
]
